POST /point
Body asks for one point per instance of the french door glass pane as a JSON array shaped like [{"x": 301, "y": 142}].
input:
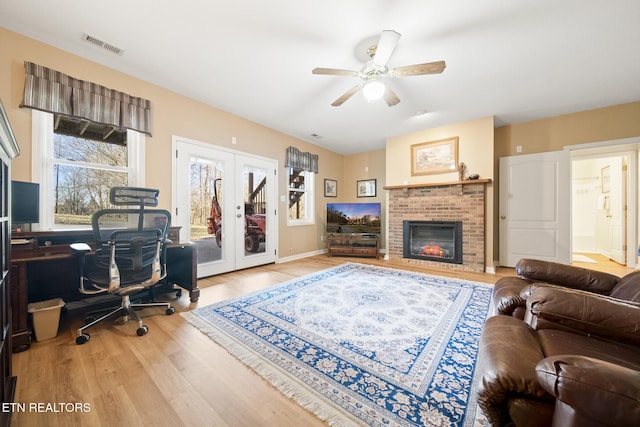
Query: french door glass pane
[
  {"x": 206, "y": 207},
  {"x": 255, "y": 209}
]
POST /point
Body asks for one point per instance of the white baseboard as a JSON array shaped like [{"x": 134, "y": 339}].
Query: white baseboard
[{"x": 300, "y": 256}]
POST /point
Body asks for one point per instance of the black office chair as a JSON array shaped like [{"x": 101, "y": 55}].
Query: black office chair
[{"x": 129, "y": 257}]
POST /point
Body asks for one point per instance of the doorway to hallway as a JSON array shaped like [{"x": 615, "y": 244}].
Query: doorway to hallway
[{"x": 603, "y": 204}]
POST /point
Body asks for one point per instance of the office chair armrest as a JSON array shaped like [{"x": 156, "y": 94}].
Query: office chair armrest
[{"x": 80, "y": 248}]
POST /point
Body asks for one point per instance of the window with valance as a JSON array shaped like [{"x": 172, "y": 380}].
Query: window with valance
[
  {"x": 88, "y": 138},
  {"x": 55, "y": 92},
  {"x": 297, "y": 159},
  {"x": 302, "y": 166}
]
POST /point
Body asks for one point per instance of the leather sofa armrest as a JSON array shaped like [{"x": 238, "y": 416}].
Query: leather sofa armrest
[
  {"x": 508, "y": 353},
  {"x": 584, "y": 312},
  {"x": 506, "y": 296},
  {"x": 591, "y": 391},
  {"x": 566, "y": 275}
]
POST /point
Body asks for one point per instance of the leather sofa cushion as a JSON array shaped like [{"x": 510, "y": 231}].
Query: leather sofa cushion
[
  {"x": 584, "y": 312},
  {"x": 566, "y": 275},
  {"x": 591, "y": 392},
  {"x": 628, "y": 288},
  {"x": 555, "y": 342}
]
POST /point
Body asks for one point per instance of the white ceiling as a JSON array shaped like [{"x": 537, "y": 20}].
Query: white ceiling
[{"x": 517, "y": 60}]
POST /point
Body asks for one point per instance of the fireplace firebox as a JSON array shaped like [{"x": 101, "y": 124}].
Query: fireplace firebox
[{"x": 433, "y": 240}]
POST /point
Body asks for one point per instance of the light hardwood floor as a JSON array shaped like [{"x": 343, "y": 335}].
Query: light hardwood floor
[{"x": 174, "y": 375}]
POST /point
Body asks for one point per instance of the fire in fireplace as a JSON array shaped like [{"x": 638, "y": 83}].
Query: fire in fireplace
[{"x": 433, "y": 240}]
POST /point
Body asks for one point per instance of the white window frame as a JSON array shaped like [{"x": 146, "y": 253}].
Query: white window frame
[
  {"x": 309, "y": 201},
  {"x": 42, "y": 164}
]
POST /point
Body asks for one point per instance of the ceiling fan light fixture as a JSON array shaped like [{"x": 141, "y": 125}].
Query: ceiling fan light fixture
[{"x": 373, "y": 90}]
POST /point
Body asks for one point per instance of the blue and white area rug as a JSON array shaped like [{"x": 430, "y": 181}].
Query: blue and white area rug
[{"x": 358, "y": 344}]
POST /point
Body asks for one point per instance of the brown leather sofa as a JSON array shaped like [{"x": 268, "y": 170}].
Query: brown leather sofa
[{"x": 563, "y": 349}]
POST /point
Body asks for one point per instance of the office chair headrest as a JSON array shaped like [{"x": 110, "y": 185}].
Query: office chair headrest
[{"x": 128, "y": 196}]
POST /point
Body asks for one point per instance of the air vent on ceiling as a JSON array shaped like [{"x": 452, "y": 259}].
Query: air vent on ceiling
[{"x": 104, "y": 45}]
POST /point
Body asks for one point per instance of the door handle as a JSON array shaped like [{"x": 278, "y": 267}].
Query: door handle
[{"x": 239, "y": 215}]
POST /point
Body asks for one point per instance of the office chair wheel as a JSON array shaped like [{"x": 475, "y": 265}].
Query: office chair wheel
[
  {"x": 170, "y": 311},
  {"x": 178, "y": 293},
  {"x": 142, "y": 330},
  {"x": 81, "y": 339},
  {"x": 89, "y": 319}
]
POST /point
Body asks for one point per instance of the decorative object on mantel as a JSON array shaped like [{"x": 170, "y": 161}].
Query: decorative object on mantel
[
  {"x": 473, "y": 177},
  {"x": 439, "y": 156},
  {"x": 462, "y": 171}
]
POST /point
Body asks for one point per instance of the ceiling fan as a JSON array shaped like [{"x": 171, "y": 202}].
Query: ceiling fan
[{"x": 376, "y": 68}]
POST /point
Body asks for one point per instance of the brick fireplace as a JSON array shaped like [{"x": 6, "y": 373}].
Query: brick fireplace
[{"x": 447, "y": 202}]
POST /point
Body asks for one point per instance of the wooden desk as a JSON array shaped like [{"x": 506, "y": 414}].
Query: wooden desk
[{"x": 43, "y": 267}]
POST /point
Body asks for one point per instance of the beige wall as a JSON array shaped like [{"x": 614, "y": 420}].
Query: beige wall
[
  {"x": 173, "y": 114},
  {"x": 367, "y": 165},
  {"x": 475, "y": 149},
  {"x": 554, "y": 133}
]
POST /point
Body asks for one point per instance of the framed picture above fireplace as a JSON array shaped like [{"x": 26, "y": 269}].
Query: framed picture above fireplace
[{"x": 438, "y": 156}]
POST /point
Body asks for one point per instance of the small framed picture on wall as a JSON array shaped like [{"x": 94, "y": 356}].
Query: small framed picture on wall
[
  {"x": 366, "y": 188},
  {"x": 330, "y": 188}
]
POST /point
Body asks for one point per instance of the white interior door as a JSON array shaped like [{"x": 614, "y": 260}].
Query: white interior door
[
  {"x": 225, "y": 203},
  {"x": 617, "y": 210},
  {"x": 534, "y": 208}
]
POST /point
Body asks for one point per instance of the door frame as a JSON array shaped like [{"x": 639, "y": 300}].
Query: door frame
[
  {"x": 631, "y": 148},
  {"x": 234, "y": 261}
]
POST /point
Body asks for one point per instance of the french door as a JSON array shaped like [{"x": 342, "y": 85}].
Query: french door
[{"x": 225, "y": 202}]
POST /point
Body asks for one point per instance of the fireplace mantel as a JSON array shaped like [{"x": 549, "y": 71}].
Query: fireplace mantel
[{"x": 437, "y": 184}]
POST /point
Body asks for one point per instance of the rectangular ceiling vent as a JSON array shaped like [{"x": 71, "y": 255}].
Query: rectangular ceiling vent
[{"x": 102, "y": 44}]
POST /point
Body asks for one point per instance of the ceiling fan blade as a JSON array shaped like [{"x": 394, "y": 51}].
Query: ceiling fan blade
[
  {"x": 419, "y": 69},
  {"x": 386, "y": 45},
  {"x": 348, "y": 94},
  {"x": 390, "y": 97},
  {"x": 335, "y": 72}
]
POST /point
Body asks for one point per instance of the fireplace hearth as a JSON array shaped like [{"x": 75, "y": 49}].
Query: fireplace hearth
[{"x": 433, "y": 241}]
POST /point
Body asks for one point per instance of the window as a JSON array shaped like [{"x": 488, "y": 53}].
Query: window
[
  {"x": 76, "y": 164},
  {"x": 301, "y": 209}
]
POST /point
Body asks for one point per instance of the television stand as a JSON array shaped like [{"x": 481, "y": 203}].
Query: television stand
[{"x": 347, "y": 244}]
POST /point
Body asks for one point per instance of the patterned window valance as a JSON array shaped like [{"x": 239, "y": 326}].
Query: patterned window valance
[
  {"x": 55, "y": 92},
  {"x": 296, "y": 159}
]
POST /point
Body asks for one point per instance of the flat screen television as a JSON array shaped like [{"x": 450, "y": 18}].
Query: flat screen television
[
  {"x": 353, "y": 218},
  {"x": 25, "y": 202}
]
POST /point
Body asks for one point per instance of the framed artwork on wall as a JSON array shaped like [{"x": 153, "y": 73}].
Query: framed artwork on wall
[
  {"x": 366, "y": 188},
  {"x": 330, "y": 188},
  {"x": 439, "y": 156}
]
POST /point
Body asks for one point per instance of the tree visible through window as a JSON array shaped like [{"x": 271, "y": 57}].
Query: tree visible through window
[{"x": 84, "y": 170}]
